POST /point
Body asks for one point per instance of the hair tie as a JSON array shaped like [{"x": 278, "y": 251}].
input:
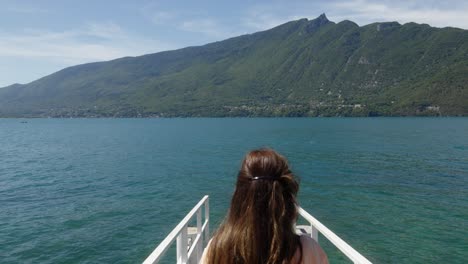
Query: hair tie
[{"x": 264, "y": 178}]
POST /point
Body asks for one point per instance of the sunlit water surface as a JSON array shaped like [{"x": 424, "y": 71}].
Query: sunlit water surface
[{"x": 109, "y": 190}]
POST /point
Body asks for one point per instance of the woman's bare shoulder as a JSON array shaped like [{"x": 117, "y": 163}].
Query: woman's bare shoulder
[
  {"x": 312, "y": 251},
  {"x": 204, "y": 256}
]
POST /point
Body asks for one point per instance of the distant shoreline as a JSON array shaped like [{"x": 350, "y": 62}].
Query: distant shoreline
[{"x": 242, "y": 117}]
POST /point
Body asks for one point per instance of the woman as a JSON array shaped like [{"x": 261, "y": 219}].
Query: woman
[{"x": 259, "y": 227}]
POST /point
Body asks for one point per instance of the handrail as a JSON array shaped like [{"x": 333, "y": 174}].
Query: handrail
[
  {"x": 191, "y": 252},
  {"x": 316, "y": 226},
  {"x": 184, "y": 251}
]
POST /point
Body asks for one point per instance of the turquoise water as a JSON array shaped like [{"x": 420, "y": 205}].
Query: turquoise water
[{"x": 109, "y": 190}]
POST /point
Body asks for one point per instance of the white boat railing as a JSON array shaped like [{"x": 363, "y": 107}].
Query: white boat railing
[
  {"x": 346, "y": 249},
  {"x": 187, "y": 252},
  {"x": 191, "y": 250}
]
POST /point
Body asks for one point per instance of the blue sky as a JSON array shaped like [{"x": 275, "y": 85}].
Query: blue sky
[{"x": 40, "y": 37}]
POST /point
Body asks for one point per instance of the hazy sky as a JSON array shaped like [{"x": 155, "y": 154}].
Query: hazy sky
[{"x": 40, "y": 37}]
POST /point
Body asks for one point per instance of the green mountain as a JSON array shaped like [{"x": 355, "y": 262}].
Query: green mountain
[{"x": 301, "y": 68}]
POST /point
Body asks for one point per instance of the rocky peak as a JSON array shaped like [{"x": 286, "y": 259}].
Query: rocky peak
[
  {"x": 323, "y": 18},
  {"x": 314, "y": 24}
]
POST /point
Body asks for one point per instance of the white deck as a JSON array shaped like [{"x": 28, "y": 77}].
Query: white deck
[{"x": 192, "y": 240}]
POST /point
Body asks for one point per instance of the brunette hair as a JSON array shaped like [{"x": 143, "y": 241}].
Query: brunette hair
[{"x": 259, "y": 227}]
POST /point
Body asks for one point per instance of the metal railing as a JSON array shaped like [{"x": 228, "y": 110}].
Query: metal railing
[
  {"x": 191, "y": 250},
  {"x": 187, "y": 251},
  {"x": 317, "y": 227}
]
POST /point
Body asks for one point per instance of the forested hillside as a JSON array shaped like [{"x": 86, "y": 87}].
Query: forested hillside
[{"x": 301, "y": 68}]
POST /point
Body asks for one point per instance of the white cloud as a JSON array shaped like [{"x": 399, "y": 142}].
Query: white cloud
[
  {"x": 435, "y": 13},
  {"x": 262, "y": 17},
  {"x": 365, "y": 12},
  {"x": 26, "y": 9},
  {"x": 189, "y": 21},
  {"x": 260, "y": 21},
  {"x": 103, "y": 30},
  {"x": 208, "y": 27},
  {"x": 160, "y": 17},
  {"x": 94, "y": 42},
  {"x": 54, "y": 50},
  {"x": 156, "y": 15}
]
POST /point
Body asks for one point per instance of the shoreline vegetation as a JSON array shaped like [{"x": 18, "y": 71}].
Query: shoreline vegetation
[
  {"x": 325, "y": 113},
  {"x": 283, "y": 110},
  {"x": 247, "y": 111}
]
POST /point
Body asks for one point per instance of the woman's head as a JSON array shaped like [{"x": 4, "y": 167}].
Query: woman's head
[
  {"x": 259, "y": 227},
  {"x": 266, "y": 186}
]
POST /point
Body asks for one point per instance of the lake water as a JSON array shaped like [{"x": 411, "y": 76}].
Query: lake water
[{"x": 109, "y": 190}]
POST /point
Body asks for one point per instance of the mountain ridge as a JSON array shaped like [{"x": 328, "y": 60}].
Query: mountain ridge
[{"x": 300, "y": 68}]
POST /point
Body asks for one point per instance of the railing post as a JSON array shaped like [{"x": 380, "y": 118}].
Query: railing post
[
  {"x": 182, "y": 246},
  {"x": 207, "y": 219},
  {"x": 199, "y": 227},
  {"x": 346, "y": 249},
  {"x": 180, "y": 234},
  {"x": 314, "y": 232}
]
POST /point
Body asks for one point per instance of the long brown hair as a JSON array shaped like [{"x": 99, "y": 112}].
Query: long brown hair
[{"x": 259, "y": 227}]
